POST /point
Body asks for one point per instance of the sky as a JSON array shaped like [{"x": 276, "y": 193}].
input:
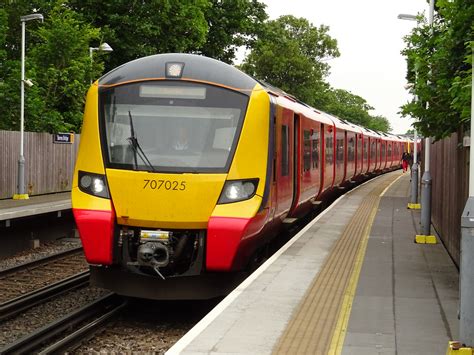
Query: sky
[{"x": 370, "y": 38}]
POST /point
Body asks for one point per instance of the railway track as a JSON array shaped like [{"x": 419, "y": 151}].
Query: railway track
[
  {"x": 19, "y": 304},
  {"x": 39, "y": 274},
  {"x": 85, "y": 320}
]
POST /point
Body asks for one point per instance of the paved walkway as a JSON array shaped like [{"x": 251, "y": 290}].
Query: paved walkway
[
  {"x": 11, "y": 209},
  {"x": 400, "y": 297}
]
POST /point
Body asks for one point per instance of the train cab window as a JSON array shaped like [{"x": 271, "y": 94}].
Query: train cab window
[
  {"x": 170, "y": 126},
  {"x": 306, "y": 150},
  {"x": 285, "y": 145},
  {"x": 315, "y": 150}
]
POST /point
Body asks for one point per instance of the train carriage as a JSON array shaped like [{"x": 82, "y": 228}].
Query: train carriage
[{"x": 187, "y": 167}]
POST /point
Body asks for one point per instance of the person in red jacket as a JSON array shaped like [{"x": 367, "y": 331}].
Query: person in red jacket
[{"x": 405, "y": 161}]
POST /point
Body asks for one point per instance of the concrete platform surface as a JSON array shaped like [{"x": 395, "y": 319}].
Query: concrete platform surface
[
  {"x": 405, "y": 301},
  {"x": 11, "y": 209}
]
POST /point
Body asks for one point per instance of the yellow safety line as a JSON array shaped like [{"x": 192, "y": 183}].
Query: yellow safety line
[{"x": 340, "y": 331}]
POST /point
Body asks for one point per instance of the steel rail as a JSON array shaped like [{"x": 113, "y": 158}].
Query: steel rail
[
  {"x": 33, "y": 341},
  {"x": 75, "y": 339},
  {"x": 28, "y": 300},
  {"x": 40, "y": 261}
]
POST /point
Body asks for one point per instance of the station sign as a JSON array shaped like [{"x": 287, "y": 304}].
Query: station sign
[{"x": 63, "y": 138}]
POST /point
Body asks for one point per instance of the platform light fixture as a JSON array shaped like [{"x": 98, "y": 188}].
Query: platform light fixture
[
  {"x": 104, "y": 48},
  {"x": 21, "y": 192}
]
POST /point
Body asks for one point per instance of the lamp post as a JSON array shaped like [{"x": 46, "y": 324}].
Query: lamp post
[
  {"x": 466, "y": 284},
  {"x": 426, "y": 180},
  {"x": 414, "y": 169},
  {"x": 104, "y": 47},
  {"x": 22, "y": 195}
]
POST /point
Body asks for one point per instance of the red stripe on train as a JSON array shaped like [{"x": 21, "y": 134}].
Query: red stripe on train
[{"x": 96, "y": 229}]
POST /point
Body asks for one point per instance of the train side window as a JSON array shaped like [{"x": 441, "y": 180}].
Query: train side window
[
  {"x": 390, "y": 150},
  {"x": 351, "y": 149},
  {"x": 329, "y": 150},
  {"x": 366, "y": 150},
  {"x": 340, "y": 150},
  {"x": 306, "y": 150},
  {"x": 315, "y": 150},
  {"x": 284, "y": 151}
]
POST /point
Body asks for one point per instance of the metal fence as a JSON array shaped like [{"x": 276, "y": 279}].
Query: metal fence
[
  {"x": 48, "y": 167},
  {"x": 450, "y": 188}
]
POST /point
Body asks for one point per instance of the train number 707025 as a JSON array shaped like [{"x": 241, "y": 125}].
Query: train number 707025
[{"x": 164, "y": 185}]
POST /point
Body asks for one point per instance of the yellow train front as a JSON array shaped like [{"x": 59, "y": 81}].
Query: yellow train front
[{"x": 170, "y": 186}]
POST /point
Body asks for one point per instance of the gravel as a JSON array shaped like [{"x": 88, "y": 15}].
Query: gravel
[
  {"x": 46, "y": 249},
  {"x": 147, "y": 327},
  {"x": 39, "y": 316}
]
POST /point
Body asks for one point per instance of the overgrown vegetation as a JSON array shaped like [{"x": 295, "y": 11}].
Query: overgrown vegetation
[
  {"x": 289, "y": 53},
  {"x": 440, "y": 67}
]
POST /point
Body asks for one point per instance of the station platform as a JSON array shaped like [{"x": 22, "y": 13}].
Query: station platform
[
  {"x": 11, "y": 209},
  {"x": 352, "y": 281}
]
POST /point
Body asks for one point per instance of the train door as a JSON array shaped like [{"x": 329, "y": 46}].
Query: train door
[
  {"x": 359, "y": 154},
  {"x": 340, "y": 159},
  {"x": 284, "y": 162},
  {"x": 329, "y": 165},
  {"x": 311, "y": 179},
  {"x": 389, "y": 154},
  {"x": 373, "y": 154},
  {"x": 296, "y": 148},
  {"x": 383, "y": 154},
  {"x": 365, "y": 164},
  {"x": 351, "y": 155}
]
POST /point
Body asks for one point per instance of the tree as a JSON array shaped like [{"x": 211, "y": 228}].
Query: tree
[
  {"x": 136, "y": 29},
  {"x": 353, "y": 108},
  {"x": 290, "y": 55},
  {"x": 57, "y": 62},
  {"x": 232, "y": 24},
  {"x": 440, "y": 65}
]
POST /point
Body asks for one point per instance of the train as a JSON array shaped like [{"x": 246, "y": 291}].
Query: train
[{"x": 187, "y": 168}]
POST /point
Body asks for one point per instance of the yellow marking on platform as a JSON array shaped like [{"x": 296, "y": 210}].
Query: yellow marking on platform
[
  {"x": 414, "y": 206},
  {"x": 319, "y": 324},
  {"x": 341, "y": 328},
  {"x": 455, "y": 348},
  {"x": 425, "y": 239},
  {"x": 21, "y": 197}
]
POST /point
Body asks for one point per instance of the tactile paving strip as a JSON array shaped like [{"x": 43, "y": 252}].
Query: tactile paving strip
[{"x": 312, "y": 327}]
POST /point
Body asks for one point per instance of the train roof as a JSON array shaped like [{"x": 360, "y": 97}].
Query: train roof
[{"x": 193, "y": 67}]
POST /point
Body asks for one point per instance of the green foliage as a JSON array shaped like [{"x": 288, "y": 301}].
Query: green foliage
[
  {"x": 290, "y": 55},
  {"x": 136, "y": 29},
  {"x": 57, "y": 62},
  {"x": 440, "y": 65},
  {"x": 232, "y": 24},
  {"x": 353, "y": 108}
]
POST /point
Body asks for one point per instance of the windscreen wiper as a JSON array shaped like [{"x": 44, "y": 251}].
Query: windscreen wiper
[{"x": 136, "y": 146}]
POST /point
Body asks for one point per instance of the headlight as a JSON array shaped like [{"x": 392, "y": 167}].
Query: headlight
[
  {"x": 93, "y": 184},
  {"x": 238, "y": 190}
]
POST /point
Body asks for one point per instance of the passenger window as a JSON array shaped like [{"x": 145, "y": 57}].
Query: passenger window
[
  {"x": 315, "y": 150},
  {"x": 284, "y": 151},
  {"x": 351, "y": 149},
  {"x": 306, "y": 150},
  {"x": 329, "y": 150}
]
